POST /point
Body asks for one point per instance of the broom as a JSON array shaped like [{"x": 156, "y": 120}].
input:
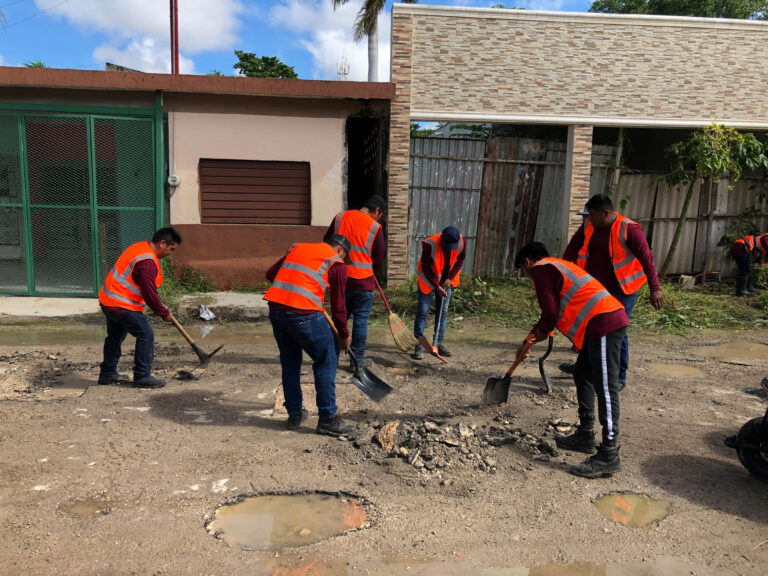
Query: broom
[{"x": 404, "y": 339}]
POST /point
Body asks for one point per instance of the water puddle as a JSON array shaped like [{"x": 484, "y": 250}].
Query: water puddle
[
  {"x": 70, "y": 385},
  {"x": 89, "y": 508},
  {"x": 277, "y": 521},
  {"x": 634, "y": 510},
  {"x": 677, "y": 370},
  {"x": 729, "y": 350},
  {"x": 580, "y": 569}
]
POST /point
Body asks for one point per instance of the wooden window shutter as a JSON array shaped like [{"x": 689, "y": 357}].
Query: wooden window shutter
[{"x": 255, "y": 192}]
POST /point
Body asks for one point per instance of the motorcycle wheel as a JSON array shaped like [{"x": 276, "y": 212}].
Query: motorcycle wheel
[{"x": 754, "y": 460}]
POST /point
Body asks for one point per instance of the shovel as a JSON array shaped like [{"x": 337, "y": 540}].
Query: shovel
[
  {"x": 497, "y": 389},
  {"x": 542, "y": 369},
  {"x": 368, "y": 383},
  {"x": 204, "y": 358}
]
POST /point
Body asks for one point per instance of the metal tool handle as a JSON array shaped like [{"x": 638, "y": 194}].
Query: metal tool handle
[
  {"x": 382, "y": 294},
  {"x": 443, "y": 306},
  {"x": 187, "y": 337},
  {"x": 520, "y": 357}
]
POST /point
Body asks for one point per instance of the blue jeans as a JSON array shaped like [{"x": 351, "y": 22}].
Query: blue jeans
[
  {"x": 118, "y": 327},
  {"x": 297, "y": 333},
  {"x": 422, "y": 311},
  {"x": 359, "y": 304},
  {"x": 628, "y": 301}
]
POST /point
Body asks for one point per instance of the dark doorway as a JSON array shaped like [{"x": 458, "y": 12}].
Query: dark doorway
[{"x": 364, "y": 166}]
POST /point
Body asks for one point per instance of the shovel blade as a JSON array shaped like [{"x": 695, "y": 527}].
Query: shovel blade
[
  {"x": 545, "y": 376},
  {"x": 368, "y": 383},
  {"x": 496, "y": 390}
]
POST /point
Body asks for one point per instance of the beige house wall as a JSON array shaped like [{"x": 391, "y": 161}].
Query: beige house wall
[{"x": 269, "y": 132}]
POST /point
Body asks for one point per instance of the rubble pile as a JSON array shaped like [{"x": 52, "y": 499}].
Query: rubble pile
[{"x": 432, "y": 446}]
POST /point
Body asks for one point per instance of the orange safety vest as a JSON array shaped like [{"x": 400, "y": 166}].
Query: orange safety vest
[
  {"x": 628, "y": 270},
  {"x": 119, "y": 290},
  {"x": 581, "y": 299},
  {"x": 749, "y": 242},
  {"x": 360, "y": 229},
  {"x": 762, "y": 243},
  {"x": 302, "y": 278},
  {"x": 438, "y": 261}
]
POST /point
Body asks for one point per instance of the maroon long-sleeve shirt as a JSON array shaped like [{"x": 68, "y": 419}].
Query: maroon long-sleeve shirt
[
  {"x": 548, "y": 282},
  {"x": 337, "y": 280},
  {"x": 600, "y": 265},
  {"x": 144, "y": 275},
  {"x": 427, "y": 265},
  {"x": 377, "y": 256}
]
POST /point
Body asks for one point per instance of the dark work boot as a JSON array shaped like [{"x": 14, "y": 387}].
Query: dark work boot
[
  {"x": 443, "y": 351},
  {"x": 115, "y": 379},
  {"x": 148, "y": 382},
  {"x": 334, "y": 427},
  {"x": 418, "y": 352},
  {"x": 583, "y": 440},
  {"x": 567, "y": 367},
  {"x": 751, "y": 287},
  {"x": 741, "y": 286},
  {"x": 602, "y": 464},
  {"x": 295, "y": 420}
]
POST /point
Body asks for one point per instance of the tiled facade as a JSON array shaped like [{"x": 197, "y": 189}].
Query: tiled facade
[
  {"x": 578, "y": 166},
  {"x": 580, "y": 70}
]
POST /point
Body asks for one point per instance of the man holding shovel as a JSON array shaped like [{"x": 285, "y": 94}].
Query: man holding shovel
[
  {"x": 132, "y": 282},
  {"x": 363, "y": 230},
  {"x": 582, "y": 309},
  {"x": 442, "y": 257},
  {"x": 613, "y": 249},
  {"x": 299, "y": 281}
]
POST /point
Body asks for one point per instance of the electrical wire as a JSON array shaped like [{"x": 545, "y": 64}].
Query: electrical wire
[{"x": 37, "y": 14}]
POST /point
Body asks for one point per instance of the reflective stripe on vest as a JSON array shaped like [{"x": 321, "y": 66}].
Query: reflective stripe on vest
[
  {"x": 302, "y": 279},
  {"x": 360, "y": 229},
  {"x": 119, "y": 289},
  {"x": 748, "y": 241},
  {"x": 581, "y": 298},
  {"x": 438, "y": 261},
  {"x": 628, "y": 269}
]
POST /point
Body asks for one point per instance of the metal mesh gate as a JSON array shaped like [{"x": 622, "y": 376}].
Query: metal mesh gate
[{"x": 75, "y": 190}]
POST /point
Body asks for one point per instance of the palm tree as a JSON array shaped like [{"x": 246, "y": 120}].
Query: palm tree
[{"x": 367, "y": 24}]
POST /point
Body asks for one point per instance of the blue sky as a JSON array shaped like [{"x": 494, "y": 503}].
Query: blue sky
[{"x": 306, "y": 34}]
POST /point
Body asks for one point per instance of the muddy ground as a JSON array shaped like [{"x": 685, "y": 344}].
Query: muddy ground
[{"x": 160, "y": 462}]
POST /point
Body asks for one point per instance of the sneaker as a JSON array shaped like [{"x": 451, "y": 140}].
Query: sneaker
[
  {"x": 602, "y": 464},
  {"x": 148, "y": 382},
  {"x": 366, "y": 363},
  {"x": 621, "y": 386},
  {"x": 113, "y": 380},
  {"x": 418, "y": 352},
  {"x": 580, "y": 441},
  {"x": 567, "y": 367},
  {"x": 334, "y": 427},
  {"x": 443, "y": 351},
  {"x": 295, "y": 420}
]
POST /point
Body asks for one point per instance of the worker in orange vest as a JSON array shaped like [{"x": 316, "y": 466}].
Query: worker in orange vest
[
  {"x": 442, "y": 257},
  {"x": 742, "y": 250},
  {"x": 132, "y": 282},
  {"x": 299, "y": 282},
  {"x": 613, "y": 249},
  {"x": 595, "y": 322},
  {"x": 363, "y": 229}
]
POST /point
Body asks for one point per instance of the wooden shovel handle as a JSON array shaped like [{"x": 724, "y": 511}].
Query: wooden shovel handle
[
  {"x": 187, "y": 337},
  {"x": 382, "y": 294},
  {"x": 330, "y": 324}
]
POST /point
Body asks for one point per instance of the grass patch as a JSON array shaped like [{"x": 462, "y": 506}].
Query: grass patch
[
  {"x": 512, "y": 302},
  {"x": 191, "y": 281}
]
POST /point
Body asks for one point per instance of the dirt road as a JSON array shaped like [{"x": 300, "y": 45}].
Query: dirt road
[{"x": 485, "y": 492}]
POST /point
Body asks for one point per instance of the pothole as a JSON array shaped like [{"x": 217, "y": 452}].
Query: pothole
[
  {"x": 634, "y": 510},
  {"x": 677, "y": 370},
  {"x": 277, "y": 521},
  {"x": 89, "y": 508},
  {"x": 742, "y": 350}
]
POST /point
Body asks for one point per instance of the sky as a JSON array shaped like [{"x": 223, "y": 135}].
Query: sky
[{"x": 306, "y": 34}]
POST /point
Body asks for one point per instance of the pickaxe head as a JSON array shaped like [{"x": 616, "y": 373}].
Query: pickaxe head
[{"x": 204, "y": 358}]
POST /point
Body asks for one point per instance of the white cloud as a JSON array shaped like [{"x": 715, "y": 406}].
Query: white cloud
[
  {"x": 142, "y": 55},
  {"x": 327, "y": 35},
  {"x": 139, "y": 30}
]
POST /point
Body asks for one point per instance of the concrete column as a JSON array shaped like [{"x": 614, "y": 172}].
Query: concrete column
[
  {"x": 399, "y": 150},
  {"x": 578, "y": 165}
]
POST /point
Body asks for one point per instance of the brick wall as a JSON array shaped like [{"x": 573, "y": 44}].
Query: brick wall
[
  {"x": 578, "y": 167},
  {"x": 399, "y": 146}
]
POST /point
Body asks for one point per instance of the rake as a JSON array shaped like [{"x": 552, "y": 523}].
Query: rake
[{"x": 404, "y": 339}]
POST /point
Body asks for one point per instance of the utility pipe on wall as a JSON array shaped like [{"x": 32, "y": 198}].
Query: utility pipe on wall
[{"x": 174, "y": 37}]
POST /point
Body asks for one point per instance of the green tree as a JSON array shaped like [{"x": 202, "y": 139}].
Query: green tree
[
  {"x": 265, "y": 67},
  {"x": 367, "y": 25},
  {"x": 215, "y": 73},
  {"x": 711, "y": 152},
  {"x": 418, "y": 132},
  {"x": 35, "y": 64},
  {"x": 739, "y": 9}
]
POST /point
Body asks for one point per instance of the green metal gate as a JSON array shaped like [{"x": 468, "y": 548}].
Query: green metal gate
[{"x": 75, "y": 190}]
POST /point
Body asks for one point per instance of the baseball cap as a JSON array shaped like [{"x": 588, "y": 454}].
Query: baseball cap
[
  {"x": 450, "y": 237},
  {"x": 339, "y": 240},
  {"x": 583, "y": 212}
]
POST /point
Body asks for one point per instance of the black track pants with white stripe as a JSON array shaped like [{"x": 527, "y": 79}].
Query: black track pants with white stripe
[{"x": 597, "y": 374}]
